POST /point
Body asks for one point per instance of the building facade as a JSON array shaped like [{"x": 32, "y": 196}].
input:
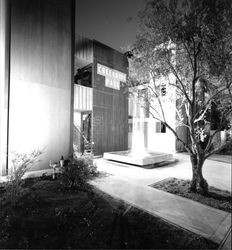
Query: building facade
[
  {"x": 100, "y": 98},
  {"x": 61, "y": 93},
  {"x": 36, "y": 46},
  {"x": 157, "y": 137}
]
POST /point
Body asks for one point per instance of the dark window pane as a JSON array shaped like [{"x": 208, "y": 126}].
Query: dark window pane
[
  {"x": 163, "y": 128},
  {"x": 163, "y": 89}
]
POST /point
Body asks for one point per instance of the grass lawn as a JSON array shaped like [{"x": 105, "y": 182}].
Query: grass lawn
[
  {"x": 216, "y": 198},
  {"x": 48, "y": 216}
]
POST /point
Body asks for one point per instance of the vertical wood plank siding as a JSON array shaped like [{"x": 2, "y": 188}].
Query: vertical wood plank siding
[
  {"x": 83, "y": 52},
  {"x": 110, "y": 106},
  {"x": 41, "y": 78},
  {"x": 83, "y": 98}
]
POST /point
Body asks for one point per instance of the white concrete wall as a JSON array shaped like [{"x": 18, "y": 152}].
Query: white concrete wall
[
  {"x": 160, "y": 142},
  {"x": 164, "y": 142}
]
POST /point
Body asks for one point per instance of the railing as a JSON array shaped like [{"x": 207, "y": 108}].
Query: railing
[{"x": 83, "y": 98}]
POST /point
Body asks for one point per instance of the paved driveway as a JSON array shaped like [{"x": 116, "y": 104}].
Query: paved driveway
[{"x": 217, "y": 173}]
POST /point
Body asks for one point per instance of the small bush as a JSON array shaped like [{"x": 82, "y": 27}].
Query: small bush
[
  {"x": 77, "y": 172},
  {"x": 21, "y": 163}
]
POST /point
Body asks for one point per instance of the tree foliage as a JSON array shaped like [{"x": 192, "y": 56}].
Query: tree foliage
[{"x": 188, "y": 43}]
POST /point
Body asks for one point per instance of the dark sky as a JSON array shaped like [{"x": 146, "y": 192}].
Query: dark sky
[{"x": 107, "y": 20}]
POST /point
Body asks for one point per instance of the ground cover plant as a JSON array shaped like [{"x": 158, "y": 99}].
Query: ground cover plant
[
  {"x": 220, "y": 199},
  {"x": 67, "y": 212},
  {"x": 47, "y": 215}
]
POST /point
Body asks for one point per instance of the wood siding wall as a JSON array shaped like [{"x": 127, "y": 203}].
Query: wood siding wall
[
  {"x": 83, "y": 52},
  {"x": 110, "y": 106},
  {"x": 41, "y": 44},
  {"x": 83, "y": 98},
  {"x": 41, "y": 77}
]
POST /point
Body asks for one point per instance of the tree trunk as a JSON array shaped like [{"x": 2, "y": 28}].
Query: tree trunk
[{"x": 198, "y": 183}]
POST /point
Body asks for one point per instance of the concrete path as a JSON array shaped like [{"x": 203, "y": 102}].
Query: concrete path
[
  {"x": 203, "y": 220},
  {"x": 130, "y": 183},
  {"x": 217, "y": 173},
  {"x": 226, "y": 244},
  {"x": 221, "y": 158}
]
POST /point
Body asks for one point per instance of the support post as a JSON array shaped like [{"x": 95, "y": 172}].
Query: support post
[{"x": 4, "y": 83}]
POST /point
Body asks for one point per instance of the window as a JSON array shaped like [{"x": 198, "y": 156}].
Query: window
[
  {"x": 163, "y": 128},
  {"x": 163, "y": 89},
  {"x": 160, "y": 127},
  {"x": 84, "y": 76}
]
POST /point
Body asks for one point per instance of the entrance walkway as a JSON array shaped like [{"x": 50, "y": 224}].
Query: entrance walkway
[
  {"x": 130, "y": 183},
  {"x": 203, "y": 220},
  {"x": 218, "y": 174}
]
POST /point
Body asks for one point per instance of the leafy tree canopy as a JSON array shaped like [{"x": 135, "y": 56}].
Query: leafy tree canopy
[{"x": 192, "y": 41}]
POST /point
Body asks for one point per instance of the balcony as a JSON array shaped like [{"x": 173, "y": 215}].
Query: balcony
[{"x": 83, "y": 98}]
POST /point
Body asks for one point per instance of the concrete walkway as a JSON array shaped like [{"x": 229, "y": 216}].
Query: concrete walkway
[
  {"x": 203, "y": 220},
  {"x": 218, "y": 174},
  {"x": 130, "y": 183},
  {"x": 221, "y": 158},
  {"x": 226, "y": 243}
]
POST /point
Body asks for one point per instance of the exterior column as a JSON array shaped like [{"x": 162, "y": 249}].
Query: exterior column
[{"x": 4, "y": 82}]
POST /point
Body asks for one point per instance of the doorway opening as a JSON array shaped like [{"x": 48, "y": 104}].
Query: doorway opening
[{"x": 86, "y": 131}]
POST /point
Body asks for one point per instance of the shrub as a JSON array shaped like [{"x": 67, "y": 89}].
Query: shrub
[
  {"x": 76, "y": 173},
  {"x": 21, "y": 163}
]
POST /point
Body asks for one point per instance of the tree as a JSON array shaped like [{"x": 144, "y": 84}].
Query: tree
[{"x": 191, "y": 41}]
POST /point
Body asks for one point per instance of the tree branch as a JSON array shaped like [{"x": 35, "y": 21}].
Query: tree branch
[
  {"x": 212, "y": 97},
  {"x": 189, "y": 54},
  {"x": 157, "y": 96},
  {"x": 214, "y": 134},
  {"x": 179, "y": 80},
  {"x": 169, "y": 127},
  {"x": 229, "y": 143}
]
